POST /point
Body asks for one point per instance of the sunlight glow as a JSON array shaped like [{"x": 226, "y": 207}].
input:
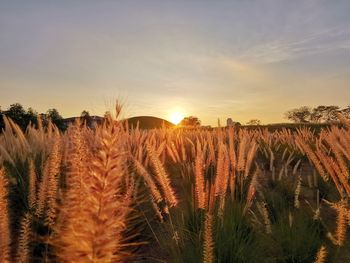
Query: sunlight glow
[{"x": 176, "y": 117}]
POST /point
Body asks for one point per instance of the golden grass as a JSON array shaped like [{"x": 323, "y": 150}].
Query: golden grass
[
  {"x": 82, "y": 185},
  {"x": 321, "y": 255},
  {"x": 208, "y": 243},
  {"x": 92, "y": 228},
  {"x": 199, "y": 178},
  {"x": 32, "y": 185},
  {"x": 22, "y": 253},
  {"x": 162, "y": 176},
  {"x": 5, "y": 238}
]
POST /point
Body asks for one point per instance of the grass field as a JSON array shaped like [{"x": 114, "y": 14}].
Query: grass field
[{"x": 114, "y": 194}]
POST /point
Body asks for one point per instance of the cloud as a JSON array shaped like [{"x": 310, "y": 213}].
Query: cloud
[{"x": 287, "y": 48}]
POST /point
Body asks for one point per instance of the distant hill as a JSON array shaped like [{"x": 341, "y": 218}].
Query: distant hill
[
  {"x": 149, "y": 122},
  {"x": 145, "y": 122}
]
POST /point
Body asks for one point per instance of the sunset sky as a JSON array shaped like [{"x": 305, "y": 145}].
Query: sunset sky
[{"x": 212, "y": 59}]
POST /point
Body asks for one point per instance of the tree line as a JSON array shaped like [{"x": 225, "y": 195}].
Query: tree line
[
  {"x": 23, "y": 117},
  {"x": 319, "y": 114}
]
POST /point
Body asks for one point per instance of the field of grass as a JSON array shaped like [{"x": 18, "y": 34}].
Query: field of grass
[{"x": 114, "y": 194}]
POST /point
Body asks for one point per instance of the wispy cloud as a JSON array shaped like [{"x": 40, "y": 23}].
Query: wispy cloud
[{"x": 282, "y": 49}]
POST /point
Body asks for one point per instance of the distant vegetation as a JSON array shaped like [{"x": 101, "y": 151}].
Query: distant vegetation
[
  {"x": 24, "y": 117},
  {"x": 190, "y": 121},
  {"x": 254, "y": 122},
  {"x": 303, "y": 115},
  {"x": 319, "y": 114}
]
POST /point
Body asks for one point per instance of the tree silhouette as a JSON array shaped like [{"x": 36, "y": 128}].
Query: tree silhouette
[
  {"x": 299, "y": 115},
  {"x": 325, "y": 113},
  {"x": 346, "y": 111},
  {"x": 85, "y": 117},
  {"x": 319, "y": 114},
  {"x": 190, "y": 121},
  {"x": 19, "y": 115},
  {"x": 56, "y": 118},
  {"x": 31, "y": 116}
]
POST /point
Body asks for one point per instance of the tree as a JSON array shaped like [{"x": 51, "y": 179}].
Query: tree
[
  {"x": 317, "y": 114},
  {"x": 254, "y": 122},
  {"x": 190, "y": 121},
  {"x": 85, "y": 117},
  {"x": 31, "y": 116},
  {"x": 299, "y": 115},
  {"x": 330, "y": 113},
  {"x": 346, "y": 112},
  {"x": 325, "y": 113},
  {"x": 56, "y": 118},
  {"x": 17, "y": 113}
]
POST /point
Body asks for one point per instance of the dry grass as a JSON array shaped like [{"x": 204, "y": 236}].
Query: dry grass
[
  {"x": 5, "y": 239},
  {"x": 96, "y": 195},
  {"x": 321, "y": 255}
]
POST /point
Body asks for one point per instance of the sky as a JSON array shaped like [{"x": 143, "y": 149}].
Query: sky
[{"x": 243, "y": 59}]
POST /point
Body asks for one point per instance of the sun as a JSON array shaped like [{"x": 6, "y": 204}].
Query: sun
[{"x": 176, "y": 117}]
